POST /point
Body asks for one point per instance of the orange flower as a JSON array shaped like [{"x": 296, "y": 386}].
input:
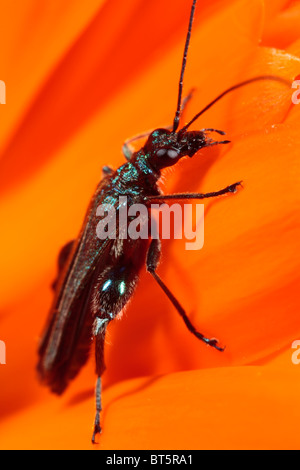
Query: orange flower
[{"x": 80, "y": 80}]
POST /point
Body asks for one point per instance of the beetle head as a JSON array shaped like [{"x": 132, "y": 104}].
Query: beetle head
[{"x": 164, "y": 148}]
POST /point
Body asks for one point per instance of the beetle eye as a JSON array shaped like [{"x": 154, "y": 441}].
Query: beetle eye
[
  {"x": 170, "y": 153},
  {"x": 161, "y": 152}
]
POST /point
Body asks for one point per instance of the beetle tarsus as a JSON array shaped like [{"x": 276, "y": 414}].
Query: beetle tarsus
[
  {"x": 97, "y": 427},
  {"x": 214, "y": 343},
  {"x": 234, "y": 187},
  {"x": 97, "y": 430}
]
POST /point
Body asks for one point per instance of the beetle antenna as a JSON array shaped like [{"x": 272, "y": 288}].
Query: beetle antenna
[
  {"x": 229, "y": 90},
  {"x": 186, "y": 48}
]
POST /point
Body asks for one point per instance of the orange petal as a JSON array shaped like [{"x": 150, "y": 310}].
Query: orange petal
[
  {"x": 62, "y": 124},
  {"x": 227, "y": 408}
]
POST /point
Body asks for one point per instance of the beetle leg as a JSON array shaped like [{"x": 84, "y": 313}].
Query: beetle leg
[
  {"x": 111, "y": 294},
  {"x": 214, "y": 130},
  {"x": 99, "y": 332},
  {"x": 107, "y": 170},
  {"x": 229, "y": 189},
  {"x": 62, "y": 259},
  {"x": 127, "y": 149},
  {"x": 211, "y": 142},
  {"x": 97, "y": 427},
  {"x": 152, "y": 263},
  {"x": 100, "y": 326},
  {"x": 185, "y": 102}
]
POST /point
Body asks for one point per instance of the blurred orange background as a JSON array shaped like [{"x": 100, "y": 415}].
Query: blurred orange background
[{"x": 81, "y": 78}]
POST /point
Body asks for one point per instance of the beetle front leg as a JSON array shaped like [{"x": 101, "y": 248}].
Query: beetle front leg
[
  {"x": 229, "y": 189},
  {"x": 107, "y": 170},
  {"x": 127, "y": 149}
]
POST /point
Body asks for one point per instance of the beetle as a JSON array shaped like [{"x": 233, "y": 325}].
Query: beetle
[{"x": 97, "y": 277}]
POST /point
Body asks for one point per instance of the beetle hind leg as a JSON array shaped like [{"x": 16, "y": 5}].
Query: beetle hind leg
[
  {"x": 99, "y": 333},
  {"x": 111, "y": 294},
  {"x": 97, "y": 426}
]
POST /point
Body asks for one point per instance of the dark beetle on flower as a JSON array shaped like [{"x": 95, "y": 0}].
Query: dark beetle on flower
[{"x": 97, "y": 277}]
